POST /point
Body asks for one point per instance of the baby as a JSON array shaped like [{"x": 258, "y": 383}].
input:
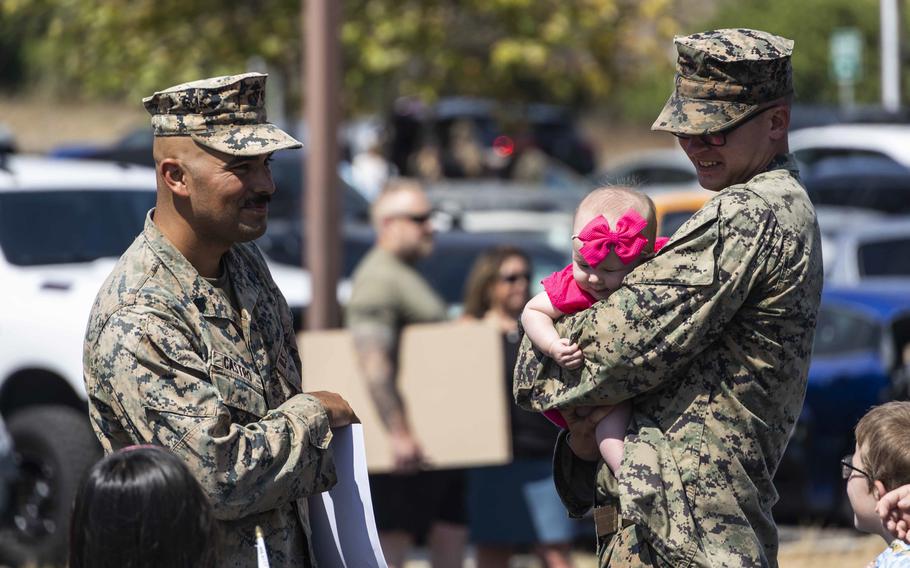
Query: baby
[
  {"x": 880, "y": 463},
  {"x": 615, "y": 231}
]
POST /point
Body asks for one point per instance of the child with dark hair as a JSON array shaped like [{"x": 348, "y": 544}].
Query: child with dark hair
[{"x": 141, "y": 507}]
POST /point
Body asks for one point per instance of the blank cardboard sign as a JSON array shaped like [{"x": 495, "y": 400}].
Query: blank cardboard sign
[{"x": 452, "y": 384}]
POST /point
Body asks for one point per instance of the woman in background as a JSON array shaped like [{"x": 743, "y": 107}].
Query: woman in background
[{"x": 514, "y": 507}]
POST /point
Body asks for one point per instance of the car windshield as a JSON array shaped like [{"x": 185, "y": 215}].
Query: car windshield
[
  {"x": 843, "y": 331},
  {"x": 878, "y": 183},
  {"x": 885, "y": 258},
  {"x": 56, "y": 227}
]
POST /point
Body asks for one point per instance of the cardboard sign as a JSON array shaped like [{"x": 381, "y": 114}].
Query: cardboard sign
[{"x": 451, "y": 379}]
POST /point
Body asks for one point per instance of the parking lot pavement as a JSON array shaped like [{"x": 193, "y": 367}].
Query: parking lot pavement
[
  {"x": 812, "y": 547},
  {"x": 801, "y": 547}
]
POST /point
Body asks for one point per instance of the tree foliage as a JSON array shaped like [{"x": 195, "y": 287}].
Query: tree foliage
[
  {"x": 579, "y": 52},
  {"x": 550, "y": 50},
  {"x": 810, "y": 23}
]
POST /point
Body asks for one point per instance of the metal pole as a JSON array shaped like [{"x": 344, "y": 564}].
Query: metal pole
[
  {"x": 890, "y": 44},
  {"x": 323, "y": 247}
]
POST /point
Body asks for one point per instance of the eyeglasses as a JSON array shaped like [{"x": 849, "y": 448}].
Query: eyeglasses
[
  {"x": 419, "y": 218},
  {"x": 515, "y": 277},
  {"x": 719, "y": 138},
  {"x": 847, "y": 468}
]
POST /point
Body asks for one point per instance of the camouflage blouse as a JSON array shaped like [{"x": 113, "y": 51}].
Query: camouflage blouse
[
  {"x": 169, "y": 361},
  {"x": 711, "y": 340}
]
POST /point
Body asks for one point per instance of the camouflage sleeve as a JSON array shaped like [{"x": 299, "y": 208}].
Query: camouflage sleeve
[
  {"x": 574, "y": 478},
  {"x": 669, "y": 310},
  {"x": 163, "y": 391}
]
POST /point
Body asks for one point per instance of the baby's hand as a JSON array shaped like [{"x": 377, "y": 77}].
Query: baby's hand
[{"x": 566, "y": 355}]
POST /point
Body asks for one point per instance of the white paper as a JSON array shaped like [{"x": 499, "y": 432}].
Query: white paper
[
  {"x": 262, "y": 555},
  {"x": 341, "y": 519}
]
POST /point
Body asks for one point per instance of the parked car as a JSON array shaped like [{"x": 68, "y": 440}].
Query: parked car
[
  {"x": 861, "y": 335},
  {"x": 668, "y": 168},
  {"x": 8, "y": 474},
  {"x": 288, "y": 174},
  {"x": 810, "y": 145},
  {"x": 673, "y": 208},
  {"x": 500, "y": 131},
  {"x": 553, "y": 130},
  {"x": 867, "y": 182},
  {"x": 134, "y": 147},
  {"x": 868, "y": 252},
  {"x": 63, "y": 224}
]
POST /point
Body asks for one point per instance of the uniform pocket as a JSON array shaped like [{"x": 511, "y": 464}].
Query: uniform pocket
[
  {"x": 235, "y": 385},
  {"x": 688, "y": 259}
]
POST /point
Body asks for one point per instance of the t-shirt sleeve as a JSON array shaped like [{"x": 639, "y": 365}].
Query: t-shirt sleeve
[{"x": 565, "y": 294}]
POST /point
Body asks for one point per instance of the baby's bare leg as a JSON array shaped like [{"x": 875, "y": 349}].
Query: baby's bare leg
[{"x": 610, "y": 433}]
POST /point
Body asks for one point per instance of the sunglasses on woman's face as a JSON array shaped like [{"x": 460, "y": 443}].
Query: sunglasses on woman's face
[{"x": 515, "y": 277}]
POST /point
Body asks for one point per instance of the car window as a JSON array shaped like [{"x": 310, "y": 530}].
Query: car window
[
  {"x": 879, "y": 195},
  {"x": 287, "y": 173},
  {"x": 656, "y": 175},
  {"x": 864, "y": 181},
  {"x": 55, "y": 227},
  {"x": 843, "y": 331},
  {"x": 885, "y": 258}
]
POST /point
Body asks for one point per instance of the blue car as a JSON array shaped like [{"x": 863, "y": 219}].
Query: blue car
[{"x": 858, "y": 361}]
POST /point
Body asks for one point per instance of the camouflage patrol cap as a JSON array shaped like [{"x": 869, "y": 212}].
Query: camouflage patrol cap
[
  {"x": 226, "y": 114},
  {"x": 723, "y": 77}
]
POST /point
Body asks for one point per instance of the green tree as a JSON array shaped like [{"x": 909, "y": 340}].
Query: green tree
[
  {"x": 810, "y": 24},
  {"x": 574, "y": 52}
]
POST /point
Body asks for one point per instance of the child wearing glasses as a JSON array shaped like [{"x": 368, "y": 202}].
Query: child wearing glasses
[
  {"x": 615, "y": 231},
  {"x": 880, "y": 462}
]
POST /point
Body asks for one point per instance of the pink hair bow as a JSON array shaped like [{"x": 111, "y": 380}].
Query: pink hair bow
[{"x": 626, "y": 240}]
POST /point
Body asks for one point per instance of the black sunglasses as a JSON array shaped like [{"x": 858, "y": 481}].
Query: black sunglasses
[
  {"x": 515, "y": 277},
  {"x": 419, "y": 218},
  {"x": 717, "y": 139},
  {"x": 847, "y": 468}
]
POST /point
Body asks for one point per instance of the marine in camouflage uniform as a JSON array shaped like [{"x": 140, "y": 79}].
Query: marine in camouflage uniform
[
  {"x": 208, "y": 367},
  {"x": 711, "y": 339}
]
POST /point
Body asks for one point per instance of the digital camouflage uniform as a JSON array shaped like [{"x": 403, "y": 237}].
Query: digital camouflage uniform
[
  {"x": 169, "y": 361},
  {"x": 711, "y": 339}
]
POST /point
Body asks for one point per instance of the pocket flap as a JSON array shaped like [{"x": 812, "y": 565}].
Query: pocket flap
[
  {"x": 235, "y": 385},
  {"x": 688, "y": 258}
]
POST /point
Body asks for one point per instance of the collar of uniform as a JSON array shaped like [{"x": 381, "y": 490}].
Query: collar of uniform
[
  {"x": 784, "y": 162},
  {"x": 245, "y": 282},
  {"x": 195, "y": 288}
]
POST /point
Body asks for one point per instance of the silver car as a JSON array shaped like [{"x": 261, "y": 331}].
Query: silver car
[{"x": 864, "y": 247}]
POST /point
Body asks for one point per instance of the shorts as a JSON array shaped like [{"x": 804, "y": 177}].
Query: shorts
[
  {"x": 517, "y": 505},
  {"x": 413, "y": 502}
]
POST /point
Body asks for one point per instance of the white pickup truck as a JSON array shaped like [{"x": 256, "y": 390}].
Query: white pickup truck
[{"x": 63, "y": 224}]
